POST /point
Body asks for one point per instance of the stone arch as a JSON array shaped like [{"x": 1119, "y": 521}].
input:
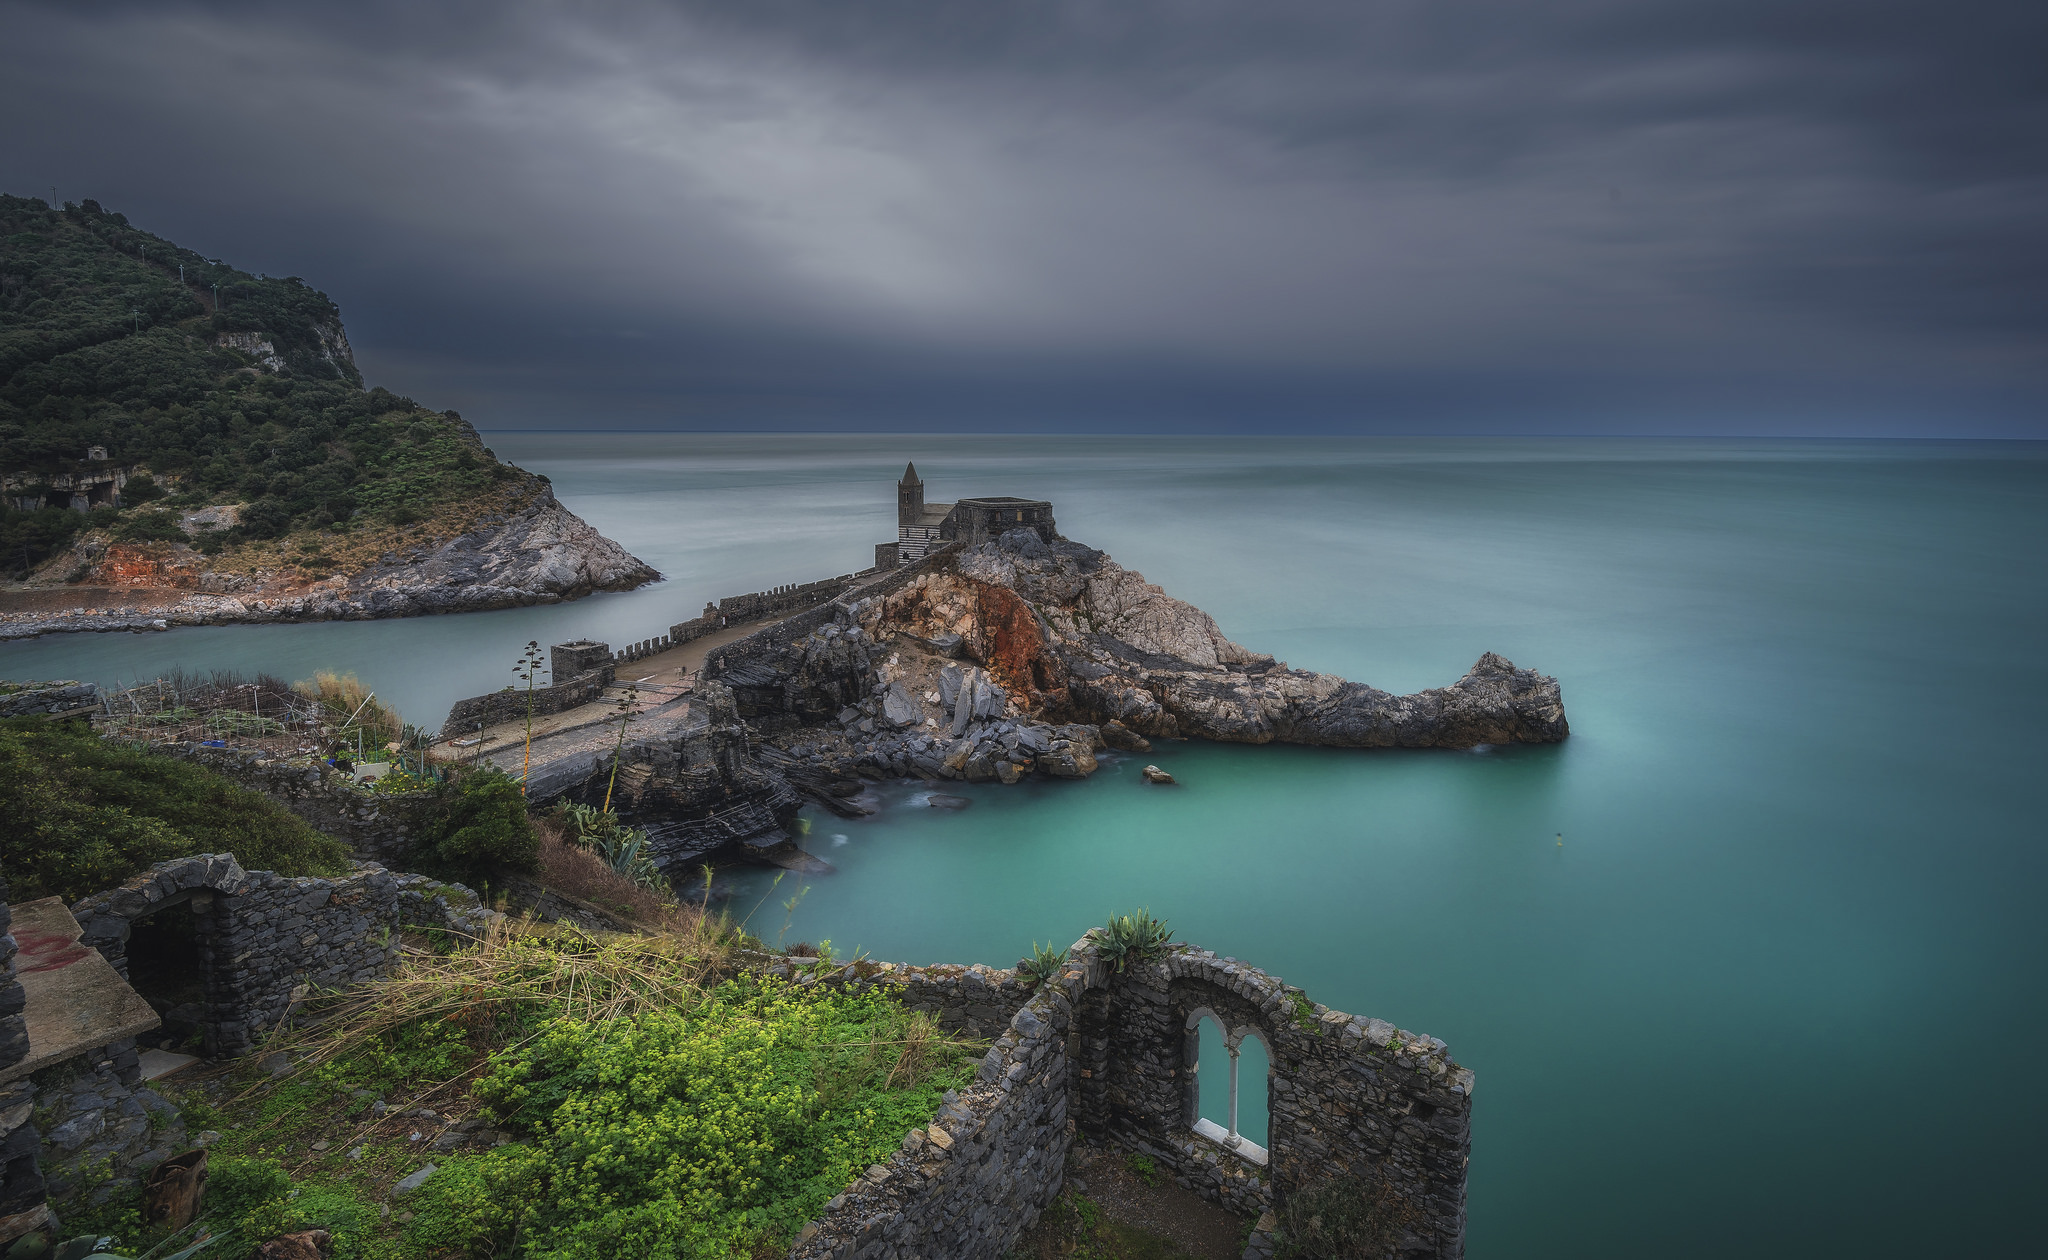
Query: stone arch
[
  {"x": 1233, "y": 1035},
  {"x": 208, "y": 884}
]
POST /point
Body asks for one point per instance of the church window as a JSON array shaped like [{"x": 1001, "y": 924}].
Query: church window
[{"x": 1231, "y": 1071}]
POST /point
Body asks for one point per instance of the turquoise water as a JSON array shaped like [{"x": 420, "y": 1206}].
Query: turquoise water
[{"x": 1778, "y": 992}]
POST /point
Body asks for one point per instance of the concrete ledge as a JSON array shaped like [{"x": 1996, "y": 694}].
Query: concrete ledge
[{"x": 76, "y": 1000}]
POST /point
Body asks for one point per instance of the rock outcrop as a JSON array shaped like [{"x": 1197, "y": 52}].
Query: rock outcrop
[
  {"x": 1011, "y": 659},
  {"x": 1020, "y": 657},
  {"x": 541, "y": 553},
  {"x": 1080, "y": 638}
]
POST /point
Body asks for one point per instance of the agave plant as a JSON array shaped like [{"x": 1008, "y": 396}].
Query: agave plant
[
  {"x": 624, "y": 849},
  {"x": 1131, "y": 938},
  {"x": 1045, "y": 963}
]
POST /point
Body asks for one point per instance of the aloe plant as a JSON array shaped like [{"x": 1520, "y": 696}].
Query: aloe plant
[
  {"x": 1045, "y": 963},
  {"x": 1131, "y": 938}
]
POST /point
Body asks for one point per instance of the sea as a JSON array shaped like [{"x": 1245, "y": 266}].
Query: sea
[{"x": 1755, "y": 963}]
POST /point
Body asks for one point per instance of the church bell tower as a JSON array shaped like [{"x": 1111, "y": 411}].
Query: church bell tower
[{"x": 909, "y": 498}]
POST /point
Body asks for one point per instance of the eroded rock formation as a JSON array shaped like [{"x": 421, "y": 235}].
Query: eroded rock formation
[
  {"x": 1021, "y": 657},
  {"x": 1077, "y": 637}
]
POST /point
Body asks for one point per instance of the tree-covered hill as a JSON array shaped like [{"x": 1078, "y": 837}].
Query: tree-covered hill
[{"x": 224, "y": 387}]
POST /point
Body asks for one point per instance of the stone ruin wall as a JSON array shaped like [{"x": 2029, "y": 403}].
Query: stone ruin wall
[
  {"x": 49, "y": 699},
  {"x": 267, "y": 941},
  {"x": 1108, "y": 1054},
  {"x": 88, "y": 1127},
  {"x": 375, "y": 825}
]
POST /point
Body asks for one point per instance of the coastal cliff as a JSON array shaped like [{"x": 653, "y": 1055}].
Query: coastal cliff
[{"x": 530, "y": 552}]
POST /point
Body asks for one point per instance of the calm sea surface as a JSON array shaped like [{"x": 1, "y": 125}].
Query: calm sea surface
[{"x": 1782, "y": 990}]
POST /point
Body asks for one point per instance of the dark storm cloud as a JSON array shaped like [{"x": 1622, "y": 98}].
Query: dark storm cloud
[{"x": 1480, "y": 214}]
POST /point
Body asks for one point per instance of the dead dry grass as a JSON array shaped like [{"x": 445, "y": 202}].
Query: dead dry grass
[{"x": 568, "y": 867}]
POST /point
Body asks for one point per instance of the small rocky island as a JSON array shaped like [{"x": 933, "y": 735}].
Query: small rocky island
[{"x": 985, "y": 647}]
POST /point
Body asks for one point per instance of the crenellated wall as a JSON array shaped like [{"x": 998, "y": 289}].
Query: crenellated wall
[
  {"x": 511, "y": 704},
  {"x": 737, "y": 609}
]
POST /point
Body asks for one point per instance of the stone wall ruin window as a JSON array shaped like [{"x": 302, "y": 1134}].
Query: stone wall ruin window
[{"x": 1230, "y": 1079}]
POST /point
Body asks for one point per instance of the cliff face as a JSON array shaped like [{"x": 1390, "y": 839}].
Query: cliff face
[
  {"x": 538, "y": 553},
  {"x": 1078, "y": 638}
]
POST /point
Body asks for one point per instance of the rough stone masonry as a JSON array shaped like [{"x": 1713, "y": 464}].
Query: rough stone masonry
[{"x": 1110, "y": 1053}]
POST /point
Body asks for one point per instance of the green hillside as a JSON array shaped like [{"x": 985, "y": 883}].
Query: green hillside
[{"x": 225, "y": 387}]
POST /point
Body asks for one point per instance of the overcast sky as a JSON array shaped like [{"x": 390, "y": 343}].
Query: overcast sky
[{"x": 1582, "y": 216}]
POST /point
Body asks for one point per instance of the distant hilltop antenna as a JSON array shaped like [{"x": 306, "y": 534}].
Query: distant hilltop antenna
[{"x": 53, "y": 197}]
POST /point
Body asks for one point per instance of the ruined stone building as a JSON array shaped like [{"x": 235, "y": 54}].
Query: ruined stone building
[{"x": 922, "y": 528}]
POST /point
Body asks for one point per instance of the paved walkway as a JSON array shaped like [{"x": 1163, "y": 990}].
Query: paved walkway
[{"x": 652, "y": 694}]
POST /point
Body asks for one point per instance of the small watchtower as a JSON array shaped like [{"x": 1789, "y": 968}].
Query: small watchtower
[{"x": 909, "y": 498}]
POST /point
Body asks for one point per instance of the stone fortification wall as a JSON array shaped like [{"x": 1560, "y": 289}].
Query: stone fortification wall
[
  {"x": 47, "y": 699},
  {"x": 775, "y": 602},
  {"x": 374, "y": 824},
  {"x": 779, "y": 681},
  {"x": 1113, "y": 1054},
  {"x": 510, "y": 705}
]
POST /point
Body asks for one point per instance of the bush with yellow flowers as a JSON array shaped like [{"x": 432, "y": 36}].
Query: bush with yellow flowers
[{"x": 703, "y": 1131}]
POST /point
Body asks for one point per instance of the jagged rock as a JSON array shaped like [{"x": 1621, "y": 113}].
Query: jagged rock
[
  {"x": 1068, "y": 759},
  {"x": 898, "y": 706},
  {"x": 1123, "y": 738},
  {"x": 1153, "y": 774}
]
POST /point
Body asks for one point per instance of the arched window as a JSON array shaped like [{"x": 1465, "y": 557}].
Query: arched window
[{"x": 1231, "y": 1070}]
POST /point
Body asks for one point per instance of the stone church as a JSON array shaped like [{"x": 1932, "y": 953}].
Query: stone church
[{"x": 922, "y": 528}]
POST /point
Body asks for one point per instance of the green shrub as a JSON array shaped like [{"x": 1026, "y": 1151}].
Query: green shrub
[
  {"x": 257, "y": 1200},
  {"x": 707, "y": 1132},
  {"x": 82, "y": 814},
  {"x": 237, "y": 1187},
  {"x": 477, "y": 824}
]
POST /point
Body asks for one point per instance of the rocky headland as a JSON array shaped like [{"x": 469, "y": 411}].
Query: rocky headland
[
  {"x": 991, "y": 663},
  {"x": 531, "y": 550}
]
